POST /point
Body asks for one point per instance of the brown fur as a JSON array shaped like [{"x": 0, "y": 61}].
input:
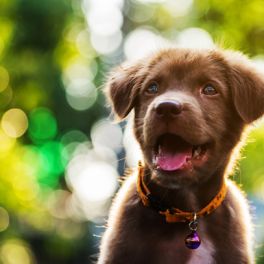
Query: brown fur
[{"x": 137, "y": 234}]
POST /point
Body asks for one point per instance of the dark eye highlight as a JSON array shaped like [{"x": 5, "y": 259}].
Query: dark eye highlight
[
  {"x": 152, "y": 88},
  {"x": 209, "y": 90}
]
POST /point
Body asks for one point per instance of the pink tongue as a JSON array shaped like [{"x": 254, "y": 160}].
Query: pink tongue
[
  {"x": 172, "y": 153},
  {"x": 171, "y": 162}
]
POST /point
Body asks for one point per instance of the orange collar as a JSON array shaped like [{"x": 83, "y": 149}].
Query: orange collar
[{"x": 173, "y": 214}]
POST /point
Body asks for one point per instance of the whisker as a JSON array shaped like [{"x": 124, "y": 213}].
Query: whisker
[
  {"x": 138, "y": 128},
  {"x": 139, "y": 118}
]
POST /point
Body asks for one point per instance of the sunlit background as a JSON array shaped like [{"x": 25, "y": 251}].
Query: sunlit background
[{"x": 60, "y": 153}]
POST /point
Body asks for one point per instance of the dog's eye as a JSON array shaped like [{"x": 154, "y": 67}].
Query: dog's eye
[
  {"x": 209, "y": 90},
  {"x": 152, "y": 88}
]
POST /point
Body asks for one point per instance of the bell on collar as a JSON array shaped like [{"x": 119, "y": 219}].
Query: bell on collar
[{"x": 193, "y": 241}]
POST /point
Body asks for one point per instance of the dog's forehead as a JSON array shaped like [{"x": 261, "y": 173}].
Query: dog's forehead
[{"x": 183, "y": 63}]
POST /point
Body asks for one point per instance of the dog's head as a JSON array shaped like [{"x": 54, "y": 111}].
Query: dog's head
[{"x": 190, "y": 110}]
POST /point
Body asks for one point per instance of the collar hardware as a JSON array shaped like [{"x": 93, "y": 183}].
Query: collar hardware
[{"x": 173, "y": 214}]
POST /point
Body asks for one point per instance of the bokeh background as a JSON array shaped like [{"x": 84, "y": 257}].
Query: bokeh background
[{"x": 60, "y": 153}]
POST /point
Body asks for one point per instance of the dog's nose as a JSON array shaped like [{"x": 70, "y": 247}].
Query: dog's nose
[{"x": 168, "y": 109}]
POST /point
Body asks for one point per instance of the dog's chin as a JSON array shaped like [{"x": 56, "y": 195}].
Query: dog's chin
[
  {"x": 173, "y": 180},
  {"x": 190, "y": 174}
]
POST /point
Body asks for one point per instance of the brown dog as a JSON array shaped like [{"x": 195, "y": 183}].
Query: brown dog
[{"x": 191, "y": 108}]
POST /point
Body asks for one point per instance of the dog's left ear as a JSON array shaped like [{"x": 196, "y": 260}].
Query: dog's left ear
[
  {"x": 247, "y": 85},
  {"x": 122, "y": 88}
]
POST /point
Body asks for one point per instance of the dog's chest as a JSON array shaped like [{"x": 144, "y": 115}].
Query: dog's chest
[
  {"x": 204, "y": 254},
  {"x": 174, "y": 251}
]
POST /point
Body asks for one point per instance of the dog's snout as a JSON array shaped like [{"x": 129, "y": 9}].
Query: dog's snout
[{"x": 168, "y": 109}]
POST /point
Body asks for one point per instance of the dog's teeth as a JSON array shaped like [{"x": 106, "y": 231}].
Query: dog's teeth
[
  {"x": 197, "y": 152},
  {"x": 159, "y": 149},
  {"x": 188, "y": 162}
]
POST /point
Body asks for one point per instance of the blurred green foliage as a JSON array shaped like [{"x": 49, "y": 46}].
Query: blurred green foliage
[{"x": 41, "y": 42}]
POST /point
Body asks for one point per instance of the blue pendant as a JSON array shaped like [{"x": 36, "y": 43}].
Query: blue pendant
[{"x": 192, "y": 241}]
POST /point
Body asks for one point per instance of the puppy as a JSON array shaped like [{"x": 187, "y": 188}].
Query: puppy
[{"x": 191, "y": 108}]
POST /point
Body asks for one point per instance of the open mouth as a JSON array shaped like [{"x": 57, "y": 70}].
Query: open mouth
[{"x": 173, "y": 153}]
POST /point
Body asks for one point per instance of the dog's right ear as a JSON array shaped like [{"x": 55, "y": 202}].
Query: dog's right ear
[{"x": 122, "y": 88}]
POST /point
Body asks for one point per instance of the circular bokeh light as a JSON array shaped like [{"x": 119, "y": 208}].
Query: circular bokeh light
[
  {"x": 14, "y": 251},
  {"x": 195, "y": 38},
  {"x": 14, "y": 122},
  {"x": 42, "y": 125},
  {"x": 52, "y": 163},
  {"x": 91, "y": 181},
  {"x": 83, "y": 100},
  {"x": 102, "y": 131},
  {"x": 4, "y": 219}
]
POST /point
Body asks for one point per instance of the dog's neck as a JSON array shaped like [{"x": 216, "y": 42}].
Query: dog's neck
[{"x": 187, "y": 198}]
